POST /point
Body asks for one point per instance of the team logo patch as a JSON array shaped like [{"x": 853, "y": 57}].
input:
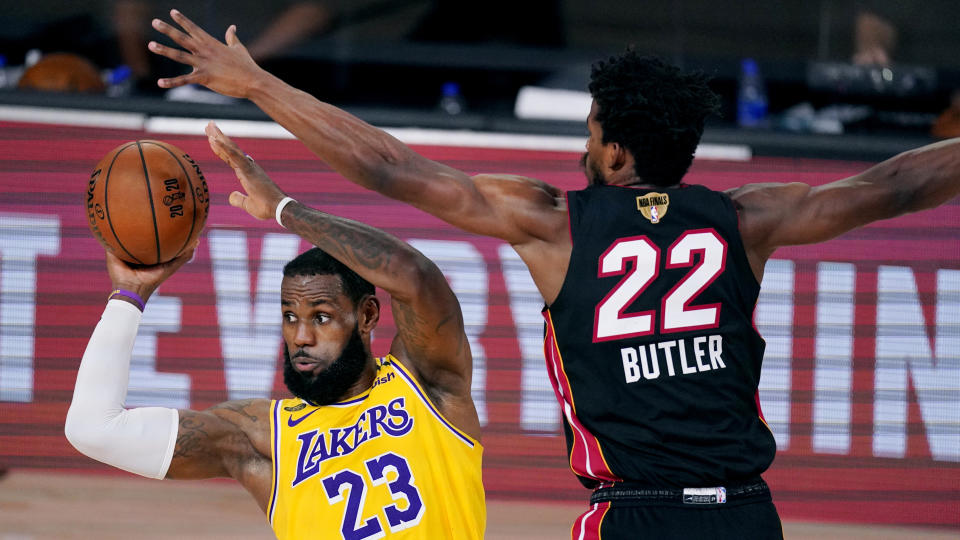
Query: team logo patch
[{"x": 653, "y": 206}]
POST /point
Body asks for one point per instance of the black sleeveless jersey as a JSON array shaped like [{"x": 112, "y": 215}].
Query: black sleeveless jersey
[{"x": 650, "y": 344}]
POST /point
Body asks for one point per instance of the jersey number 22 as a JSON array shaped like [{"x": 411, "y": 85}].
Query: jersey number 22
[{"x": 676, "y": 312}]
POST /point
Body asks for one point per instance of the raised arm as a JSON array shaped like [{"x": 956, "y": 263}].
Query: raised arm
[
  {"x": 774, "y": 215},
  {"x": 515, "y": 209},
  {"x": 231, "y": 439},
  {"x": 430, "y": 335}
]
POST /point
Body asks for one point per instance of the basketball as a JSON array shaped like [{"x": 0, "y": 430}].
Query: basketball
[
  {"x": 63, "y": 72},
  {"x": 147, "y": 201}
]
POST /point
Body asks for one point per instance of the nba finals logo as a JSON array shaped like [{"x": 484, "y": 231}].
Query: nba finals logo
[{"x": 653, "y": 206}]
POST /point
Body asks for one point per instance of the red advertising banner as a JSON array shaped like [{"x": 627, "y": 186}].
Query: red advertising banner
[{"x": 861, "y": 380}]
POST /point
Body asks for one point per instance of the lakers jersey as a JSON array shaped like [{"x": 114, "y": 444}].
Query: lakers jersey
[
  {"x": 385, "y": 463},
  {"x": 650, "y": 343}
]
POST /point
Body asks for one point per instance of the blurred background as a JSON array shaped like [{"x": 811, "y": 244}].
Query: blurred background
[
  {"x": 861, "y": 381},
  {"x": 827, "y": 66}
]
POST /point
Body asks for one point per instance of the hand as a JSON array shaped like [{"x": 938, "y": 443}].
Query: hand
[
  {"x": 262, "y": 195},
  {"x": 144, "y": 280},
  {"x": 224, "y": 68}
]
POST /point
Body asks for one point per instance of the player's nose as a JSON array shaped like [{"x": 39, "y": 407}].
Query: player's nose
[{"x": 304, "y": 335}]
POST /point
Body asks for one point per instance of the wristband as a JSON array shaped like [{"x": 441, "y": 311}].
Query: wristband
[
  {"x": 128, "y": 294},
  {"x": 283, "y": 202}
]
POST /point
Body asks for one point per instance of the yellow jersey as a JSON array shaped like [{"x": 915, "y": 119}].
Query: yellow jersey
[{"x": 384, "y": 463}]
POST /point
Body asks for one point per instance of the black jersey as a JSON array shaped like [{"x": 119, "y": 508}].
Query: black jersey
[{"x": 650, "y": 344}]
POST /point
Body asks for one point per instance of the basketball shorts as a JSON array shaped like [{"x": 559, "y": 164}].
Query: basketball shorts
[{"x": 622, "y": 512}]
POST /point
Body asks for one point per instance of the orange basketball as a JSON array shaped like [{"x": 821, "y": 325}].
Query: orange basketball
[
  {"x": 147, "y": 201},
  {"x": 62, "y": 72}
]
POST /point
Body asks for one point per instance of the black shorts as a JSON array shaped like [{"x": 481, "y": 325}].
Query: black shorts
[{"x": 621, "y": 512}]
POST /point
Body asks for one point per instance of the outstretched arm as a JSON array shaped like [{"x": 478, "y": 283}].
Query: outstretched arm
[
  {"x": 430, "y": 334},
  {"x": 515, "y": 209},
  {"x": 158, "y": 442},
  {"x": 774, "y": 215}
]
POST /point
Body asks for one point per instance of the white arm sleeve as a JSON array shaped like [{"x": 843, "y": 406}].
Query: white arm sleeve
[{"x": 139, "y": 440}]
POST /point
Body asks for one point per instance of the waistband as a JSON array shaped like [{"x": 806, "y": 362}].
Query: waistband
[{"x": 627, "y": 492}]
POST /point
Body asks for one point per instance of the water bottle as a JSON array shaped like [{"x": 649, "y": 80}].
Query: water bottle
[
  {"x": 751, "y": 96},
  {"x": 451, "y": 101},
  {"x": 4, "y": 77},
  {"x": 119, "y": 81},
  {"x": 9, "y": 75}
]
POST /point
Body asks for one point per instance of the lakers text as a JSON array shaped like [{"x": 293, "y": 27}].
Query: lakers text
[{"x": 316, "y": 447}]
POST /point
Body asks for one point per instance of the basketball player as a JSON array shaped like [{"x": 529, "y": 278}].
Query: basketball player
[
  {"x": 649, "y": 283},
  {"x": 369, "y": 446}
]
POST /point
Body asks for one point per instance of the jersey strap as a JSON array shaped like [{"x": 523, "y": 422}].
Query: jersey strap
[
  {"x": 275, "y": 441},
  {"x": 410, "y": 380}
]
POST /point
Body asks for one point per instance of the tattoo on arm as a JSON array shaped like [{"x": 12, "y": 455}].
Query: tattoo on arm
[
  {"x": 192, "y": 437},
  {"x": 411, "y": 326},
  {"x": 242, "y": 408},
  {"x": 354, "y": 243},
  {"x": 416, "y": 333},
  {"x": 219, "y": 440}
]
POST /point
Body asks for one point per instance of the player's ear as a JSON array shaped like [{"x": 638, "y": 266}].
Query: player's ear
[
  {"x": 368, "y": 314},
  {"x": 615, "y": 156}
]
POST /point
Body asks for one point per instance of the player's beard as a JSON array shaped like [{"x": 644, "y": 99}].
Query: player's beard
[
  {"x": 330, "y": 385},
  {"x": 593, "y": 173}
]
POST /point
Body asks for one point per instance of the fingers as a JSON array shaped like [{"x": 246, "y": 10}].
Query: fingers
[
  {"x": 211, "y": 129},
  {"x": 177, "y": 55},
  {"x": 176, "y": 35},
  {"x": 215, "y": 135},
  {"x": 231, "y": 37},
  {"x": 224, "y": 147},
  {"x": 229, "y": 151},
  {"x": 238, "y": 200},
  {"x": 193, "y": 250},
  {"x": 184, "y": 257},
  {"x": 182, "y": 80},
  {"x": 188, "y": 25},
  {"x": 212, "y": 132},
  {"x": 251, "y": 176}
]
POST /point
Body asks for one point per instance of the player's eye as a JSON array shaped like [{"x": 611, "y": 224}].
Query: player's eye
[
  {"x": 322, "y": 318},
  {"x": 289, "y": 317}
]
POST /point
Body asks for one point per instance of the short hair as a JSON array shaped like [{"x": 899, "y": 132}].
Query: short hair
[
  {"x": 653, "y": 109},
  {"x": 316, "y": 262}
]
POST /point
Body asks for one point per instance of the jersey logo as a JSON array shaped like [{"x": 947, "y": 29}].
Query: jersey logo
[
  {"x": 293, "y": 423},
  {"x": 317, "y": 446},
  {"x": 295, "y": 408},
  {"x": 653, "y": 206}
]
